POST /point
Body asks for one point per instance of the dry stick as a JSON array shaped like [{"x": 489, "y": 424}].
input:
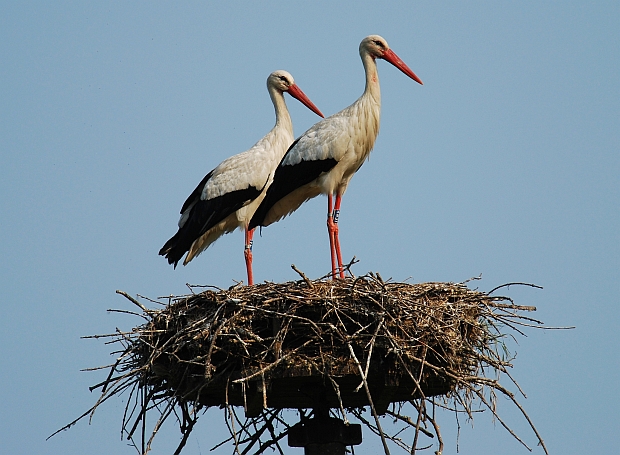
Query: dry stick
[
  {"x": 303, "y": 275},
  {"x": 156, "y": 302},
  {"x": 372, "y": 406},
  {"x": 262, "y": 376},
  {"x": 232, "y": 430},
  {"x": 417, "y": 429},
  {"x": 69, "y": 425},
  {"x": 220, "y": 444},
  {"x": 245, "y": 398},
  {"x": 107, "y": 335},
  {"x": 513, "y": 284},
  {"x": 474, "y": 278},
  {"x": 133, "y": 313},
  {"x": 437, "y": 432},
  {"x": 515, "y": 383},
  {"x": 395, "y": 437},
  {"x": 347, "y": 267},
  {"x": 274, "y": 438},
  {"x": 372, "y": 344},
  {"x": 337, "y": 389},
  {"x": 164, "y": 415},
  {"x": 116, "y": 389},
  {"x": 135, "y": 389},
  {"x": 538, "y": 323},
  {"x": 512, "y": 306},
  {"x": 143, "y": 413},
  {"x": 134, "y": 301},
  {"x": 409, "y": 422},
  {"x": 185, "y": 437},
  {"x": 242, "y": 426},
  {"x": 210, "y": 351},
  {"x": 189, "y": 285},
  {"x": 106, "y": 382}
]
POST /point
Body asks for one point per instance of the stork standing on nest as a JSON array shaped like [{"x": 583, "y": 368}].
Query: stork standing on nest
[
  {"x": 227, "y": 197},
  {"x": 324, "y": 158}
]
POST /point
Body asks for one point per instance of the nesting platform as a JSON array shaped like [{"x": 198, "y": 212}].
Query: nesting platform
[
  {"x": 299, "y": 344},
  {"x": 314, "y": 344}
]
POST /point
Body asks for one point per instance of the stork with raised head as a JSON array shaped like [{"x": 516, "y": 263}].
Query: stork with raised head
[
  {"x": 324, "y": 158},
  {"x": 227, "y": 197}
]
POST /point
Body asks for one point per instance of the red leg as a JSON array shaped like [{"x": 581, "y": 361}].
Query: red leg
[
  {"x": 330, "y": 229},
  {"x": 248, "y": 255},
  {"x": 336, "y": 237}
]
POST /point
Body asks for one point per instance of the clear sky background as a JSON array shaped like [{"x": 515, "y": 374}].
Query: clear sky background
[{"x": 505, "y": 163}]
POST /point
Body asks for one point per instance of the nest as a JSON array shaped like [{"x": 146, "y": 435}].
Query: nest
[{"x": 352, "y": 345}]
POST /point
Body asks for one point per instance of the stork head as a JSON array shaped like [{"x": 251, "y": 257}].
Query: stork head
[
  {"x": 377, "y": 47},
  {"x": 283, "y": 82}
]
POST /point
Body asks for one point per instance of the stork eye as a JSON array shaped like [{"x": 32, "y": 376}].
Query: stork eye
[{"x": 379, "y": 43}]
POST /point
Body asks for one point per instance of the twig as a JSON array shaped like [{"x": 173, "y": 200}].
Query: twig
[
  {"x": 132, "y": 300},
  {"x": 513, "y": 284},
  {"x": 303, "y": 275},
  {"x": 337, "y": 389}
]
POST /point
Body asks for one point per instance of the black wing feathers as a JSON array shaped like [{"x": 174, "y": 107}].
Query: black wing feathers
[
  {"x": 286, "y": 180},
  {"x": 203, "y": 216},
  {"x": 195, "y": 196}
]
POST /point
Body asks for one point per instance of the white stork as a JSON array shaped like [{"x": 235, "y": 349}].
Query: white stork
[
  {"x": 324, "y": 158},
  {"x": 227, "y": 197}
]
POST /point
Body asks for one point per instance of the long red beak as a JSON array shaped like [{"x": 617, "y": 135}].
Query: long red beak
[
  {"x": 395, "y": 60},
  {"x": 296, "y": 92}
]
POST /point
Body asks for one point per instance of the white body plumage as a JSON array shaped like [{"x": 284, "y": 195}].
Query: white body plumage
[{"x": 252, "y": 168}]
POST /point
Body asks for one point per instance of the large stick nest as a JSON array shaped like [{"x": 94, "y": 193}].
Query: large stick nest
[{"x": 345, "y": 344}]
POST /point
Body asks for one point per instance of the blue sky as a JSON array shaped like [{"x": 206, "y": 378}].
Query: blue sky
[{"x": 505, "y": 163}]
